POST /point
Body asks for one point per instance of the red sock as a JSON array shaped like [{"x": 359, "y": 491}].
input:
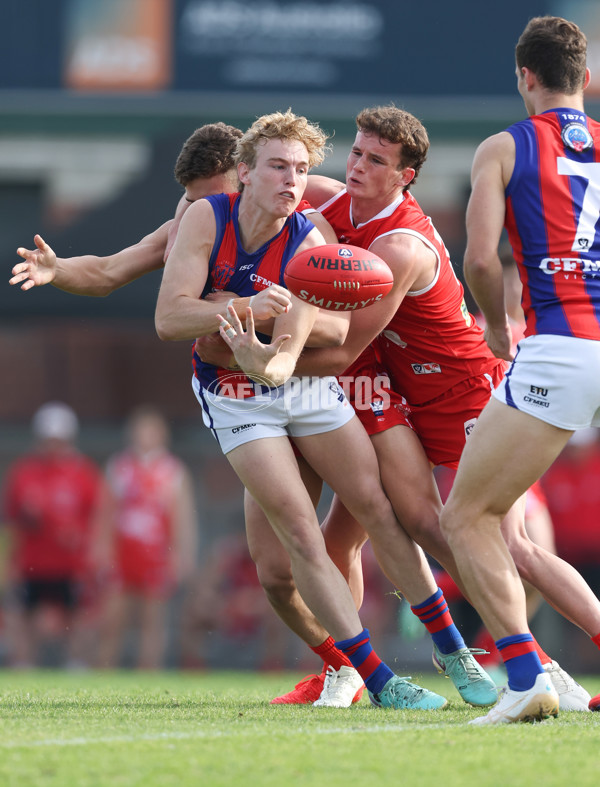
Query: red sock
[
  {"x": 596, "y": 640},
  {"x": 544, "y": 657},
  {"x": 331, "y": 655},
  {"x": 483, "y": 639}
]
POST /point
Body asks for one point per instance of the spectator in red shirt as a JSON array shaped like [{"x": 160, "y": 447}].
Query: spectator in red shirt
[
  {"x": 150, "y": 538},
  {"x": 51, "y": 497}
]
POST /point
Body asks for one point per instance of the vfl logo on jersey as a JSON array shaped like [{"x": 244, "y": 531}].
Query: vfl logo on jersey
[
  {"x": 222, "y": 273},
  {"x": 336, "y": 391},
  {"x": 426, "y": 368},
  {"x": 577, "y": 137},
  {"x": 377, "y": 406},
  {"x": 469, "y": 426}
]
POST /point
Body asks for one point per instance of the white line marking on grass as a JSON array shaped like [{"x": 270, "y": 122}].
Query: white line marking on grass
[{"x": 166, "y": 736}]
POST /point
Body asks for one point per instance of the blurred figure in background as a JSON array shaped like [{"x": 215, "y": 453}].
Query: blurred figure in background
[
  {"x": 226, "y": 610},
  {"x": 51, "y": 499},
  {"x": 149, "y": 541},
  {"x": 573, "y": 494}
]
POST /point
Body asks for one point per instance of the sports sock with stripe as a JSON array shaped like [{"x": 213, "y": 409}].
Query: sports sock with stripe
[
  {"x": 521, "y": 660},
  {"x": 365, "y": 661},
  {"x": 435, "y": 616}
]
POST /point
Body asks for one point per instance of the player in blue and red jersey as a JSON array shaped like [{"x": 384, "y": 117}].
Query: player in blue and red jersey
[
  {"x": 236, "y": 242},
  {"x": 540, "y": 180}
]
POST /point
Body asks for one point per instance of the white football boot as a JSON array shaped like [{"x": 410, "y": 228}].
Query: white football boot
[
  {"x": 537, "y": 703},
  {"x": 340, "y": 688}
]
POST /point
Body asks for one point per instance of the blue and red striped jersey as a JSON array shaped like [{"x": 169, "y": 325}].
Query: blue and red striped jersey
[
  {"x": 234, "y": 269},
  {"x": 552, "y": 220}
]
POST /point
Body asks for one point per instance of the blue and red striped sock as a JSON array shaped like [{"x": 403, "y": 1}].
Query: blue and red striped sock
[
  {"x": 521, "y": 660},
  {"x": 435, "y": 616},
  {"x": 365, "y": 661}
]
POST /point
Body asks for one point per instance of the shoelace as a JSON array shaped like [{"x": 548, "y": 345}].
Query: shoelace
[
  {"x": 470, "y": 666},
  {"x": 330, "y": 677},
  {"x": 406, "y": 690}
]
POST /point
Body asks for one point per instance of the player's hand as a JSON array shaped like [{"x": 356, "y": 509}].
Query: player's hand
[
  {"x": 251, "y": 354},
  {"x": 39, "y": 267},
  {"x": 499, "y": 341},
  {"x": 212, "y": 349},
  {"x": 272, "y": 302},
  {"x": 266, "y": 304}
]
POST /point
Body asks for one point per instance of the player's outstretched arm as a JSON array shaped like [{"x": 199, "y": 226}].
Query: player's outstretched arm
[{"x": 89, "y": 274}]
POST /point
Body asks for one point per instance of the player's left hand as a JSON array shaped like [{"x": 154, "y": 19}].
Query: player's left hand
[{"x": 251, "y": 354}]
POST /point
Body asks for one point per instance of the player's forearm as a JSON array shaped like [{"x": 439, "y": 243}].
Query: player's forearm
[
  {"x": 86, "y": 275},
  {"x": 181, "y": 317},
  {"x": 100, "y": 276},
  {"x": 329, "y": 330},
  {"x": 485, "y": 281},
  {"x": 277, "y": 371},
  {"x": 321, "y": 362}
]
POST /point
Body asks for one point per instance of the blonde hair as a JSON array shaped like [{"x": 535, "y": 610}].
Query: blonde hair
[{"x": 286, "y": 126}]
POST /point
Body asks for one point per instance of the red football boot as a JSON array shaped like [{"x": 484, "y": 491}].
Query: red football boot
[{"x": 305, "y": 692}]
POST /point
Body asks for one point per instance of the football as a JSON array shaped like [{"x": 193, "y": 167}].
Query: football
[{"x": 338, "y": 277}]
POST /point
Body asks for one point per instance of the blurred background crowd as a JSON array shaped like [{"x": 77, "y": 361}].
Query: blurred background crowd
[{"x": 122, "y": 540}]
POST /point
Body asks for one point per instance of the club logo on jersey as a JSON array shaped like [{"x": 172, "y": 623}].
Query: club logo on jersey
[
  {"x": 222, "y": 272},
  {"x": 426, "y": 368},
  {"x": 577, "y": 137}
]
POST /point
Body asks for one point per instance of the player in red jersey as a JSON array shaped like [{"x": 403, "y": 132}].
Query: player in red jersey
[
  {"x": 450, "y": 379},
  {"x": 52, "y": 496},
  {"x": 151, "y": 538},
  {"x": 538, "y": 179}
]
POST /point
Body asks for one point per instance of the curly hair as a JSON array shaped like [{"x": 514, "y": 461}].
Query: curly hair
[
  {"x": 286, "y": 126},
  {"x": 209, "y": 151},
  {"x": 397, "y": 126}
]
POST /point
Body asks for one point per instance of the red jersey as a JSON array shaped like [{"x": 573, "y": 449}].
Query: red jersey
[
  {"x": 49, "y": 503},
  {"x": 145, "y": 489},
  {"x": 432, "y": 342}
]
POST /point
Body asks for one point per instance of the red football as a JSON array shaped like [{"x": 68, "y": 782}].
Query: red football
[{"x": 338, "y": 277}]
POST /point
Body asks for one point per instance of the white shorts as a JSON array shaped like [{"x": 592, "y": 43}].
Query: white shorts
[
  {"x": 303, "y": 406},
  {"x": 555, "y": 379}
]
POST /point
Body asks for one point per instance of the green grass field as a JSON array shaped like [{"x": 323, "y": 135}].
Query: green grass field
[{"x": 216, "y": 729}]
